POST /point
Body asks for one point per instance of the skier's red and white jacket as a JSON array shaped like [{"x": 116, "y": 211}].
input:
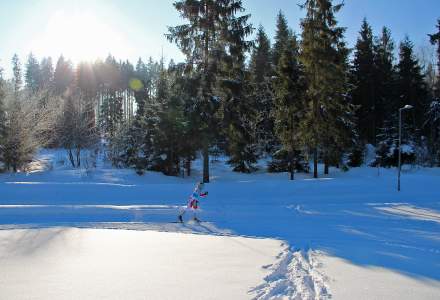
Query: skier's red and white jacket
[{"x": 193, "y": 201}]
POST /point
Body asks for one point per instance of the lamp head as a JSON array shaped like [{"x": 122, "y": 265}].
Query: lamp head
[{"x": 407, "y": 107}]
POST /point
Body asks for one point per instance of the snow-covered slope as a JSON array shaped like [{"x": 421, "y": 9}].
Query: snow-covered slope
[
  {"x": 66, "y": 263},
  {"x": 334, "y": 225}
]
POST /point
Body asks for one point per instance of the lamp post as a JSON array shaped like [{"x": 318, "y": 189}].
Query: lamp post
[{"x": 406, "y": 107}]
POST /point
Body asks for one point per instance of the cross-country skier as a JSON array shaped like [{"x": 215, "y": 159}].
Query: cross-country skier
[{"x": 193, "y": 202}]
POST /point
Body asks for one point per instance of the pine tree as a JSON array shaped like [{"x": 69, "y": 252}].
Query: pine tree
[
  {"x": 2, "y": 120},
  {"x": 260, "y": 64},
  {"x": 184, "y": 93},
  {"x": 111, "y": 108},
  {"x": 362, "y": 78},
  {"x": 261, "y": 73},
  {"x": 281, "y": 39},
  {"x": 289, "y": 109},
  {"x": 63, "y": 75},
  {"x": 47, "y": 73},
  {"x": 387, "y": 100},
  {"x": 411, "y": 86},
  {"x": 433, "y": 123},
  {"x": 86, "y": 87},
  {"x": 239, "y": 119},
  {"x": 33, "y": 73},
  {"x": 237, "y": 107},
  {"x": 204, "y": 41},
  {"x": 165, "y": 135},
  {"x": 326, "y": 123},
  {"x": 16, "y": 69},
  {"x": 435, "y": 40}
]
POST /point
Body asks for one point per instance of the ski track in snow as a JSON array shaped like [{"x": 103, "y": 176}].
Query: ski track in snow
[
  {"x": 413, "y": 212},
  {"x": 296, "y": 276}
]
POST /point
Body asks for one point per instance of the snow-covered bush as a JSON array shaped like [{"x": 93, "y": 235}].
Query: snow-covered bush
[{"x": 388, "y": 154}]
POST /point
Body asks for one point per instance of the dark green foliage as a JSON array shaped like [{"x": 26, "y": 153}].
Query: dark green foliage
[
  {"x": 2, "y": 120},
  {"x": 213, "y": 33},
  {"x": 388, "y": 155},
  {"x": 433, "y": 125},
  {"x": 364, "y": 87},
  {"x": 239, "y": 124},
  {"x": 260, "y": 90},
  {"x": 356, "y": 156},
  {"x": 289, "y": 108},
  {"x": 282, "y": 161},
  {"x": 385, "y": 81},
  {"x": 435, "y": 40},
  {"x": 281, "y": 39},
  {"x": 327, "y": 124},
  {"x": 411, "y": 86}
]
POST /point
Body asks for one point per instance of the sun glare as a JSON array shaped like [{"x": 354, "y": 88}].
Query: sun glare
[{"x": 79, "y": 36}]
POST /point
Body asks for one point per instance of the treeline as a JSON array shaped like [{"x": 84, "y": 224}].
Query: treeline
[{"x": 306, "y": 97}]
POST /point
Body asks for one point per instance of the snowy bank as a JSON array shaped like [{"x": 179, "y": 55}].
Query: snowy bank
[{"x": 66, "y": 263}]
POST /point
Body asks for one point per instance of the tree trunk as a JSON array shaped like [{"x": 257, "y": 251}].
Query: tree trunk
[
  {"x": 292, "y": 171},
  {"x": 205, "y": 163},
  {"x": 188, "y": 166},
  {"x": 72, "y": 161},
  {"x": 326, "y": 167},
  {"x": 315, "y": 163},
  {"x": 78, "y": 158}
]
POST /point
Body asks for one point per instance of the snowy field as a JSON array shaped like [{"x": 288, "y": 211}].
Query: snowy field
[
  {"x": 60, "y": 263},
  {"x": 346, "y": 236}
]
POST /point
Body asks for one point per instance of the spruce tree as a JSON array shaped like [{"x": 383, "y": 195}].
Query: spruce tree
[
  {"x": 433, "y": 124},
  {"x": 17, "y": 73},
  {"x": 411, "y": 86},
  {"x": 363, "y": 81},
  {"x": 260, "y": 64},
  {"x": 260, "y": 81},
  {"x": 237, "y": 107},
  {"x": 385, "y": 81},
  {"x": 204, "y": 40},
  {"x": 166, "y": 131},
  {"x": 281, "y": 38},
  {"x": 184, "y": 95},
  {"x": 2, "y": 120},
  {"x": 63, "y": 75},
  {"x": 289, "y": 108},
  {"x": 239, "y": 115},
  {"x": 111, "y": 113},
  {"x": 87, "y": 89},
  {"x": 32, "y": 73},
  {"x": 326, "y": 123},
  {"x": 433, "y": 115},
  {"x": 435, "y": 40},
  {"x": 47, "y": 73}
]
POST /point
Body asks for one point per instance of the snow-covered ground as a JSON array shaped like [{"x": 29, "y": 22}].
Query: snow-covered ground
[
  {"x": 347, "y": 235},
  {"x": 60, "y": 263}
]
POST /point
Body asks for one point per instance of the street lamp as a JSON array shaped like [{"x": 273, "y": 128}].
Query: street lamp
[{"x": 406, "y": 107}]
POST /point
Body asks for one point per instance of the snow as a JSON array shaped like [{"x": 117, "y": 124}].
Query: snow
[
  {"x": 348, "y": 279},
  {"x": 348, "y": 235},
  {"x": 58, "y": 263}
]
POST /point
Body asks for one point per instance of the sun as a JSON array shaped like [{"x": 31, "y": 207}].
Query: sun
[{"x": 79, "y": 36}]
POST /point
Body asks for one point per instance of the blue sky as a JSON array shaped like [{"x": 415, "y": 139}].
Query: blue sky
[{"x": 132, "y": 28}]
